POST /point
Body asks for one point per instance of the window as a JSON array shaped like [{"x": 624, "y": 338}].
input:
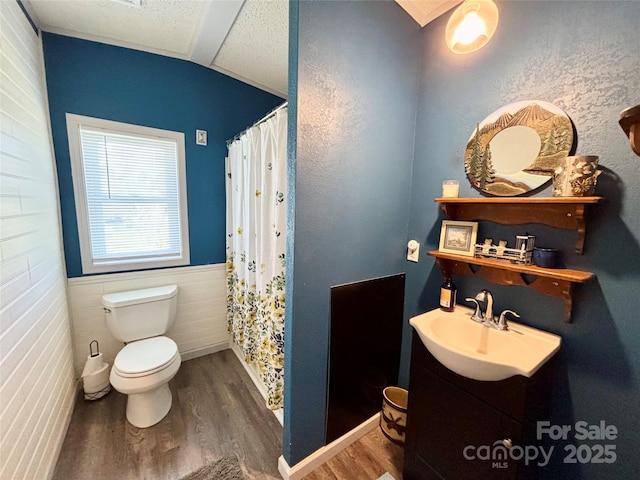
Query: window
[{"x": 130, "y": 193}]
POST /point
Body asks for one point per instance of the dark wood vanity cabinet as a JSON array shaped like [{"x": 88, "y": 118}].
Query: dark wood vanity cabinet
[{"x": 448, "y": 413}]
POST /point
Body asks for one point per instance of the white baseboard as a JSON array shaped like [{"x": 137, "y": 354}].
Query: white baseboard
[
  {"x": 201, "y": 352},
  {"x": 255, "y": 379},
  {"x": 322, "y": 455}
]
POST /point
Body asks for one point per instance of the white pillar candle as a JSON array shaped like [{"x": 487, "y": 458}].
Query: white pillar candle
[{"x": 450, "y": 188}]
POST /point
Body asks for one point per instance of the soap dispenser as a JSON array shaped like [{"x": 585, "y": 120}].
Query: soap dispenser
[{"x": 448, "y": 292}]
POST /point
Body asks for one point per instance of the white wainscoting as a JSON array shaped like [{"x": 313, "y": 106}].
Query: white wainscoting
[
  {"x": 37, "y": 385},
  {"x": 200, "y": 327}
]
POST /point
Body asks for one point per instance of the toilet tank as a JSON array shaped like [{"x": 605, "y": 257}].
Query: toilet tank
[{"x": 138, "y": 314}]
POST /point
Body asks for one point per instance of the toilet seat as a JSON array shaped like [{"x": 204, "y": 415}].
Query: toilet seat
[{"x": 145, "y": 357}]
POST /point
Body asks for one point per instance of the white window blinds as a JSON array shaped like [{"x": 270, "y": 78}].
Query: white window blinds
[{"x": 134, "y": 210}]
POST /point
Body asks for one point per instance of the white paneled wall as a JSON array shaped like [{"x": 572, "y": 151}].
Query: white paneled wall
[
  {"x": 37, "y": 387},
  {"x": 200, "y": 326}
]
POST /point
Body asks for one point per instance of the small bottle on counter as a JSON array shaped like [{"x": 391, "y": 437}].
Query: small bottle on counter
[{"x": 448, "y": 292}]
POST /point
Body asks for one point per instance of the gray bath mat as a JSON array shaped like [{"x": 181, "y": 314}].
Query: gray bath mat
[{"x": 227, "y": 468}]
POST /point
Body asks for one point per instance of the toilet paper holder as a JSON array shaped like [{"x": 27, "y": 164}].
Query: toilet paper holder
[
  {"x": 91, "y": 354},
  {"x": 95, "y": 376}
]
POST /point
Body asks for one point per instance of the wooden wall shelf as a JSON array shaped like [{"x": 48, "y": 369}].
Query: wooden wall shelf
[
  {"x": 561, "y": 212},
  {"x": 556, "y": 282}
]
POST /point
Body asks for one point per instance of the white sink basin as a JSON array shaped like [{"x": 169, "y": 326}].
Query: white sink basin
[{"x": 481, "y": 353}]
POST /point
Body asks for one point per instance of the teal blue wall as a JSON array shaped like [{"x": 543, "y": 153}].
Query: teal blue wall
[
  {"x": 98, "y": 80},
  {"x": 355, "y": 65},
  {"x": 352, "y": 87},
  {"x": 583, "y": 57}
]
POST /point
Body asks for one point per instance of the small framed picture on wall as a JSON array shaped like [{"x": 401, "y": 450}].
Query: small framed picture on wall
[{"x": 458, "y": 238}]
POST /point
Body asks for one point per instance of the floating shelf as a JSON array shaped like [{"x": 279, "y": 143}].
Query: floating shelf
[
  {"x": 561, "y": 212},
  {"x": 555, "y": 282}
]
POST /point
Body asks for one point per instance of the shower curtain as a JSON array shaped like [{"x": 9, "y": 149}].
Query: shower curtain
[{"x": 256, "y": 181}]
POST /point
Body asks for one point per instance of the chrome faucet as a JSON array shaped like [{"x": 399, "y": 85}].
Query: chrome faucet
[
  {"x": 487, "y": 297},
  {"x": 487, "y": 318}
]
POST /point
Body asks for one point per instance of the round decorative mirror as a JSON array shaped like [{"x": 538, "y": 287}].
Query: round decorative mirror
[{"x": 517, "y": 148}]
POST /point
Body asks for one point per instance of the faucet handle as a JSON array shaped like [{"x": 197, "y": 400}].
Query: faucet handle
[
  {"x": 477, "y": 315},
  {"x": 502, "y": 321}
]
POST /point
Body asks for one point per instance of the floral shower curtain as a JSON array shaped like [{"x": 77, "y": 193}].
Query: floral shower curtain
[{"x": 256, "y": 181}]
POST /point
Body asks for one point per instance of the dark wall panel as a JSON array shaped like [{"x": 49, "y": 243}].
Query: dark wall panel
[{"x": 364, "y": 349}]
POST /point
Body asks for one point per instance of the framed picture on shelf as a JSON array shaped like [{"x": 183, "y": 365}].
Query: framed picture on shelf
[{"x": 458, "y": 238}]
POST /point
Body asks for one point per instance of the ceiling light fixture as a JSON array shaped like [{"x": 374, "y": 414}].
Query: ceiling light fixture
[{"x": 471, "y": 26}]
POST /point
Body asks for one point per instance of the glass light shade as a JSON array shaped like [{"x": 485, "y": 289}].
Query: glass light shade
[{"x": 471, "y": 26}]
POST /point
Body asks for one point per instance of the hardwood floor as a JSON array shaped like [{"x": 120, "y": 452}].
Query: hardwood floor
[
  {"x": 367, "y": 459},
  {"x": 216, "y": 411}
]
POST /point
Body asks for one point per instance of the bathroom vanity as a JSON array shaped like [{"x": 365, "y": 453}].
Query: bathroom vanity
[{"x": 450, "y": 415}]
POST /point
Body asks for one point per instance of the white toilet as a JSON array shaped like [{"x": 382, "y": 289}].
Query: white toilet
[{"x": 143, "y": 368}]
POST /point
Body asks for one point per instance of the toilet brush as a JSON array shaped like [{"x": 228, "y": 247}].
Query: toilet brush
[{"x": 95, "y": 376}]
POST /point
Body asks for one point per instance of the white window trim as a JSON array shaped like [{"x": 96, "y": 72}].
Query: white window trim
[{"x": 74, "y": 122}]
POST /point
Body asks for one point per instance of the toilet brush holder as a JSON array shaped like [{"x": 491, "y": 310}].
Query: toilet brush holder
[{"x": 95, "y": 376}]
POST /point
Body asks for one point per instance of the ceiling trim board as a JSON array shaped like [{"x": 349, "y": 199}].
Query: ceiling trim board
[
  {"x": 231, "y": 74},
  {"x": 213, "y": 29},
  {"x": 113, "y": 42}
]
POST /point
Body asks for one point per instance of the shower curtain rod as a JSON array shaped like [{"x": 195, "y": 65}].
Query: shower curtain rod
[{"x": 266, "y": 117}]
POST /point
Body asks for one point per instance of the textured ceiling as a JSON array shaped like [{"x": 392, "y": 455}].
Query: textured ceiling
[
  {"x": 158, "y": 25},
  {"x": 246, "y": 39},
  {"x": 258, "y": 43}
]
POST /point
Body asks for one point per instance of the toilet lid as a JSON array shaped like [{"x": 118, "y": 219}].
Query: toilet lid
[{"x": 145, "y": 356}]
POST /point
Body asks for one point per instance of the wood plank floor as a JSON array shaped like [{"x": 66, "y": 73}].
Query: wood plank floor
[
  {"x": 216, "y": 411},
  {"x": 366, "y": 459}
]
